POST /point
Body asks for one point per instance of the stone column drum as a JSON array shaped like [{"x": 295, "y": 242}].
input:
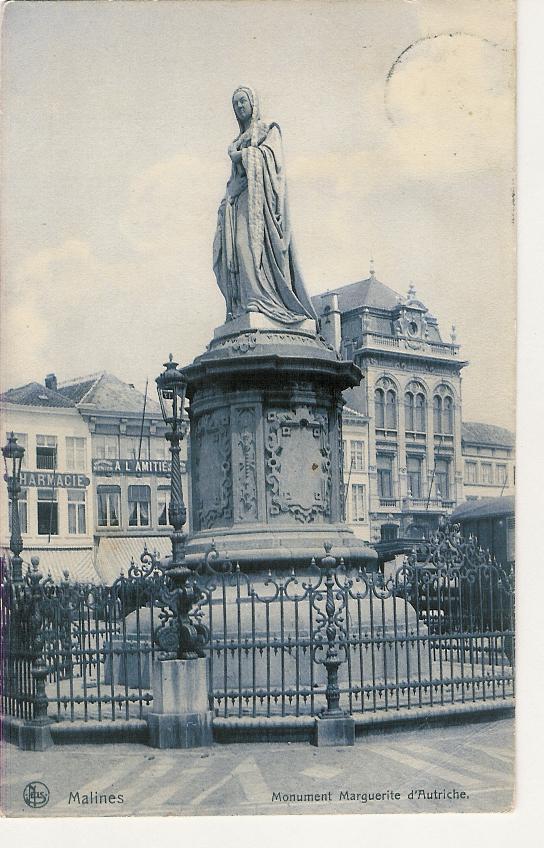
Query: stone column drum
[{"x": 265, "y": 447}]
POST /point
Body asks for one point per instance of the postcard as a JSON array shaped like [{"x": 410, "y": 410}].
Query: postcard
[{"x": 258, "y": 402}]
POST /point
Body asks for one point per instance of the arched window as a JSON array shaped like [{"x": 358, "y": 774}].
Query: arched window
[
  {"x": 437, "y": 414},
  {"x": 415, "y": 405},
  {"x": 379, "y": 408},
  {"x": 391, "y": 410},
  {"x": 447, "y": 417},
  {"x": 420, "y": 413},
  {"x": 443, "y": 408},
  {"x": 409, "y": 411}
]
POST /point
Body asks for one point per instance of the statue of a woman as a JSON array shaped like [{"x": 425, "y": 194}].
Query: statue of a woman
[{"x": 253, "y": 254}]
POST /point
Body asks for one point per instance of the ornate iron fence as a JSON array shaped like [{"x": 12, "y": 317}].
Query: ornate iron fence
[{"x": 438, "y": 630}]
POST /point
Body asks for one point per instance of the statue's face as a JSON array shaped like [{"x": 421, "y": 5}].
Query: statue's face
[{"x": 242, "y": 106}]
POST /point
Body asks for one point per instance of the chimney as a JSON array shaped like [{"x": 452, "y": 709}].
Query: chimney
[
  {"x": 51, "y": 382},
  {"x": 330, "y": 320}
]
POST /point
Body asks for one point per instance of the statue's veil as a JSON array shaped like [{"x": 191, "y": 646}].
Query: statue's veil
[{"x": 256, "y": 126}]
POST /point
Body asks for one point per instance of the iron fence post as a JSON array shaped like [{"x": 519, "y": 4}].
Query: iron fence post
[
  {"x": 334, "y": 726},
  {"x": 332, "y": 660},
  {"x": 35, "y": 734}
]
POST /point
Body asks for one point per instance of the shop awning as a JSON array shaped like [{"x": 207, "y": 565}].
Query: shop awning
[
  {"x": 55, "y": 561},
  {"x": 115, "y": 554}
]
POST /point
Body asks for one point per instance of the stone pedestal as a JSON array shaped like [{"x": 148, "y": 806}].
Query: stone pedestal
[
  {"x": 334, "y": 732},
  {"x": 265, "y": 447},
  {"x": 35, "y": 735},
  {"x": 181, "y": 716}
]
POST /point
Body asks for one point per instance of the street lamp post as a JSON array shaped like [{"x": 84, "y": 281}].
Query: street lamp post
[
  {"x": 13, "y": 454},
  {"x": 178, "y": 636}
]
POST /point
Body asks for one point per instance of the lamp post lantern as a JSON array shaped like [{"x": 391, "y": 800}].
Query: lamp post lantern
[
  {"x": 179, "y": 636},
  {"x": 13, "y": 454},
  {"x": 171, "y": 388}
]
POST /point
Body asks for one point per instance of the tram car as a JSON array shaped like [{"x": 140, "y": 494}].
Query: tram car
[{"x": 492, "y": 522}]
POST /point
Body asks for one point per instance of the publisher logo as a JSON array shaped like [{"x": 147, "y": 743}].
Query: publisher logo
[{"x": 36, "y": 794}]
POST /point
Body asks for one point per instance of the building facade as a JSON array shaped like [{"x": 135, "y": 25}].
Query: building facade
[
  {"x": 96, "y": 476},
  {"x": 356, "y": 472},
  {"x": 411, "y": 396},
  {"x": 56, "y": 505},
  {"x": 489, "y": 461}
]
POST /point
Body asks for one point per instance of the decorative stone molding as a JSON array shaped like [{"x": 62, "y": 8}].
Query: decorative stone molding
[
  {"x": 213, "y": 469},
  {"x": 245, "y": 342},
  {"x": 247, "y": 465},
  {"x": 298, "y": 438}
]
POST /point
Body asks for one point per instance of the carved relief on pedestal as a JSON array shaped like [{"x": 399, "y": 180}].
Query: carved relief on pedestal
[
  {"x": 213, "y": 469},
  {"x": 298, "y": 463},
  {"x": 341, "y": 462},
  {"x": 247, "y": 470}
]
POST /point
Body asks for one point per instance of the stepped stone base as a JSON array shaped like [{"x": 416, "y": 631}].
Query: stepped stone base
[{"x": 181, "y": 717}]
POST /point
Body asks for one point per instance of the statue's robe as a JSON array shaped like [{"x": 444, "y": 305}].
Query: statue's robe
[{"x": 254, "y": 258}]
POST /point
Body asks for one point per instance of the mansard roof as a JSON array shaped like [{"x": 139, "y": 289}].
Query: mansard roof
[{"x": 370, "y": 292}]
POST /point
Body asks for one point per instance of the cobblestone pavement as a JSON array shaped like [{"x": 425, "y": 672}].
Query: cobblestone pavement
[{"x": 465, "y": 768}]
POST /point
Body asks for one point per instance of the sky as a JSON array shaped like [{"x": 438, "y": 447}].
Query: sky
[{"x": 398, "y": 125}]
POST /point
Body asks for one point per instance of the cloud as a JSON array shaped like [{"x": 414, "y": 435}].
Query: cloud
[{"x": 172, "y": 206}]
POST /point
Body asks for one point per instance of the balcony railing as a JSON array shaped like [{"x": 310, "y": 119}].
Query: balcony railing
[
  {"x": 379, "y": 340},
  {"x": 389, "y": 502},
  {"x": 427, "y": 503}
]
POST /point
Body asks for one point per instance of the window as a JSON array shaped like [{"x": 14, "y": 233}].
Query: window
[
  {"x": 76, "y": 511},
  {"x": 442, "y": 478},
  {"x": 391, "y": 410},
  {"x": 358, "y": 498},
  {"x": 443, "y": 414},
  {"x": 163, "y": 497},
  {"x": 105, "y": 447},
  {"x": 139, "y": 498},
  {"x": 136, "y": 449},
  {"x": 48, "y": 515},
  {"x": 470, "y": 472},
  {"x": 379, "y": 408},
  {"x": 421, "y": 413},
  {"x": 46, "y": 452},
  {"x": 23, "y": 511},
  {"x": 447, "y": 418},
  {"x": 357, "y": 455},
  {"x": 161, "y": 449},
  {"x": 409, "y": 411},
  {"x": 75, "y": 453},
  {"x": 385, "y": 475},
  {"x": 414, "y": 464},
  {"x": 502, "y": 475},
  {"x": 487, "y": 472},
  {"x": 389, "y": 532},
  {"x": 437, "y": 414},
  {"x": 109, "y": 506}
]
